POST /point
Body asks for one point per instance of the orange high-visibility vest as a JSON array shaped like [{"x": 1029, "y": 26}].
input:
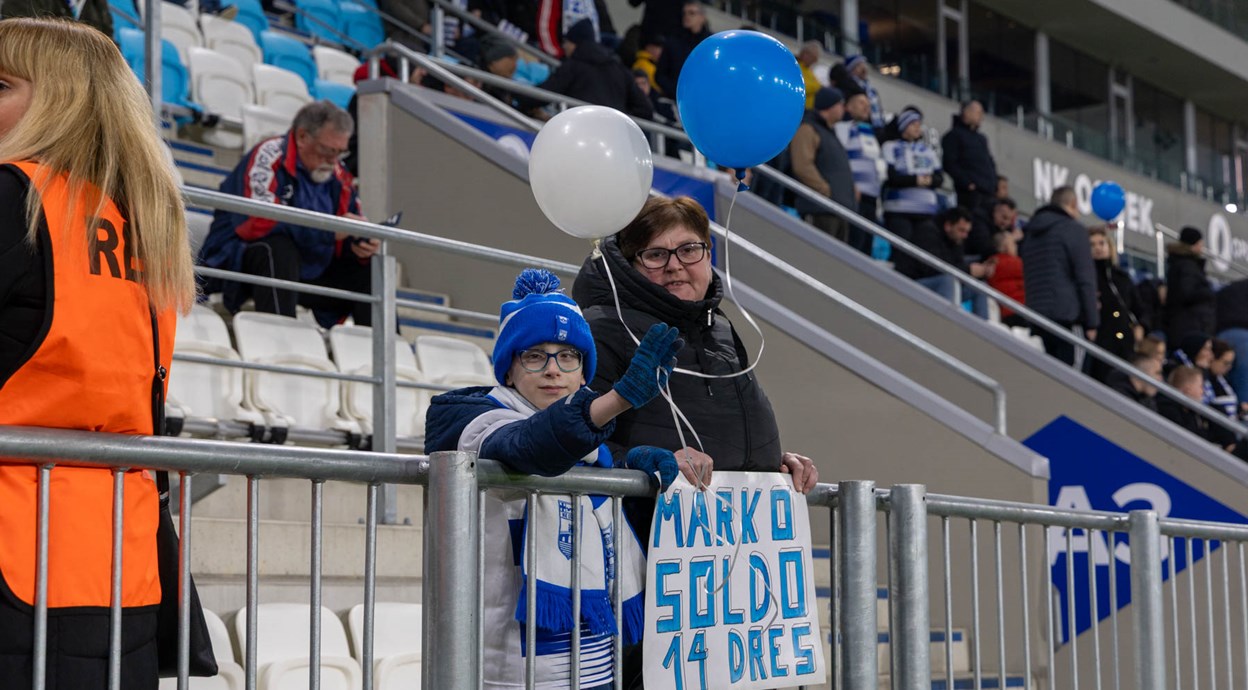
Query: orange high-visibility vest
[{"x": 92, "y": 370}]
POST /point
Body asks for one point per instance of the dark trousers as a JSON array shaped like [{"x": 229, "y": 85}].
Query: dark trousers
[
  {"x": 1055, "y": 346},
  {"x": 278, "y": 257},
  {"x": 858, "y": 238},
  {"x": 831, "y": 224},
  {"x": 77, "y": 651}
]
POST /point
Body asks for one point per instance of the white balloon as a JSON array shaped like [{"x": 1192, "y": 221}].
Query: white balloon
[{"x": 591, "y": 170}]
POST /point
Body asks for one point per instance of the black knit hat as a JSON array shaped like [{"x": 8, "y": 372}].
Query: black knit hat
[
  {"x": 1190, "y": 236},
  {"x": 827, "y": 97},
  {"x": 580, "y": 32},
  {"x": 493, "y": 49}
]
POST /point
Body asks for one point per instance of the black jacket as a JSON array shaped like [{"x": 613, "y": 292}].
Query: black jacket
[
  {"x": 1058, "y": 270},
  {"x": 25, "y": 278},
  {"x": 1121, "y": 382},
  {"x": 675, "y": 52},
  {"x": 594, "y": 75},
  {"x": 1179, "y": 414},
  {"x": 1117, "y": 297},
  {"x": 660, "y": 18},
  {"x": 933, "y": 239},
  {"x": 1148, "y": 307},
  {"x": 1232, "y": 306},
  {"x": 732, "y": 416},
  {"x": 1189, "y": 296},
  {"x": 967, "y": 159}
]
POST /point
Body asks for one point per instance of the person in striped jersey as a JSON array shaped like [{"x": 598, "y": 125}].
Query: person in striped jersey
[
  {"x": 862, "y": 145},
  {"x": 909, "y": 193}
]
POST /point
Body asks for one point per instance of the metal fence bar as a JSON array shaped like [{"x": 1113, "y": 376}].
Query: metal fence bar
[
  {"x": 944, "y": 549},
  {"x": 253, "y": 579},
  {"x": 530, "y": 595},
  {"x": 1243, "y": 602},
  {"x": 1022, "y": 570},
  {"x": 384, "y": 280},
  {"x": 996, "y": 534},
  {"x": 114, "y": 608},
  {"x": 314, "y": 627},
  {"x": 860, "y": 651},
  {"x": 977, "y": 661},
  {"x": 1048, "y": 607},
  {"x": 1191, "y": 605},
  {"x": 1113, "y": 607},
  {"x": 1174, "y": 608},
  {"x": 617, "y": 593},
  {"x": 576, "y": 589},
  {"x": 1072, "y": 640},
  {"x": 1094, "y": 609},
  {"x": 184, "y": 579},
  {"x": 451, "y": 588},
  {"x": 481, "y": 578},
  {"x": 290, "y": 285},
  {"x": 1226, "y": 614},
  {"x": 834, "y": 601},
  {"x": 1211, "y": 643},
  {"x": 1150, "y": 659},
  {"x": 910, "y": 636},
  {"x": 370, "y": 584},
  {"x": 40, "y": 661}
]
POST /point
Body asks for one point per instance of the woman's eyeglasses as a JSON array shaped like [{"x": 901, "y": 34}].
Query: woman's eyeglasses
[
  {"x": 536, "y": 361},
  {"x": 687, "y": 254}
]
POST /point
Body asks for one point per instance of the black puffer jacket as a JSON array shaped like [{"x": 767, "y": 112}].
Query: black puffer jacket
[
  {"x": 732, "y": 416},
  {"x": 1232, "y": 306},
  {"x": 595, "y": 75},
  {"x": 1058, "y": 269},
  {"x": 1189, "y": 296}
]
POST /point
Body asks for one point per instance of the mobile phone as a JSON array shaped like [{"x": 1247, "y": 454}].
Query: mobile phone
[{"x": 393, "y": 221}]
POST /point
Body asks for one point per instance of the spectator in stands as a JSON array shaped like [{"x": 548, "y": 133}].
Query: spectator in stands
[
  {"x": 807, "y": 56},
  {"x": 660, "y": 17},
  {"x": 1005, "y": 274},
  {"x": 1193, "y": 350},
  {"x": 1232, "y": 326},
  {"x": 94, "y": 266},
  {"x": 1150, "y": 304},
  {"x": 859, "y": 70},
  {"x": 541, "y": 419},
  {"x": 943, "y": 240},
  {"x": 1119, "y": 328},
  {"x": 968, "y": 161},
  {"x": 413, "y": 15},
  {"x": 1222, "y": 395},
  {"x": 1152, "y": 346},
  {"x": 1139, "y": 390},
  {"x": 92, "y": 12},
  {"x": 302, "y": 168},
  {"x": 593, "y": 74},
  {"x": 1189, "y": 296},
  {"x": 1003, "y": 187},
  {"x": 1059, "y": 272},
  {"x": 1005, "y": 219},
  {"x": 820, "y": 162},
  {"x": 647, "y": 60},
  {"x": 1190, "y": 382},
  {"x": 693, "y": 29},
  {"x": 858, "y": 137},
  {"x": 914, "y": 173}
]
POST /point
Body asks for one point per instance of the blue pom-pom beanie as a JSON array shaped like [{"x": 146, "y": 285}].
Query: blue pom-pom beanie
[{"x": 539, "y": 313}]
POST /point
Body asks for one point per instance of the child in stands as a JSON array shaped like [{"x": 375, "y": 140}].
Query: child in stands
[
  {"x": 541, "y": 419},
  {"x": 1190, "y": 381},
  {"x": 1005, "y": 273}
]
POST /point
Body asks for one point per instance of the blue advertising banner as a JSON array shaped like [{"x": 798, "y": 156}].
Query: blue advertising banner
[
  {"x": 1088, "y": 472},
  {"x": 665, "y": 181}
]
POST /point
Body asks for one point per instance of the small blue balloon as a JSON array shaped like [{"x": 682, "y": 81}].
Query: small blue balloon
[
  {"x": 1108, "y": 200},
  {"x": 741, "y": 98}
]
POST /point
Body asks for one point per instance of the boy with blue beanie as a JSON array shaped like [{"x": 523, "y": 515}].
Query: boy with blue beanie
[{"x": 541, "y": 419}]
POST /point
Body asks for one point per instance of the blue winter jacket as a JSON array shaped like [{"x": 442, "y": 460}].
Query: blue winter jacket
[
  {"x": 272, "y": 172},
  {"x": 548, "y": 444}
]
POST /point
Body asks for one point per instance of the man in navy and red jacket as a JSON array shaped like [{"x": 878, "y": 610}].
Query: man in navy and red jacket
[{"x": 303, "y": 169}]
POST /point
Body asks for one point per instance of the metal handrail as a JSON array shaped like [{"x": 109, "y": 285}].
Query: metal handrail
[
  {"x": 343, "y": 38},
  {"x": 482, "y": 25}
]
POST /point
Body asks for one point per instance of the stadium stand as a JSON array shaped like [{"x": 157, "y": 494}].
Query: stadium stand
[
  {"x": 397, "y": 642},
  {"x": 231, "y": 38},
  {"x": 334, "y": 65},
  {"x": 281, "y": 50},
  {"x": 282, "y": 648},
  {"x": 352, "y": 347},
  {"x": 280, "y": 90},
  {"x": 174, "y": 80}
]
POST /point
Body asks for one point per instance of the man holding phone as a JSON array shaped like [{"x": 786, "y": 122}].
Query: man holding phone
[{"x": 303, "y": 169}]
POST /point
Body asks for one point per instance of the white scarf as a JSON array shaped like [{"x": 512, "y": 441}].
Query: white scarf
[{"x": 553, "y": 548}]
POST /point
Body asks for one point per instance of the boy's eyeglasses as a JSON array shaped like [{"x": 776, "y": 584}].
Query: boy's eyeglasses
[{"x": 536, "y": 361}]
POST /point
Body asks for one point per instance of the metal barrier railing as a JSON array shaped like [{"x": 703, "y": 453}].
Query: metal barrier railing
[{"x": 962, "y": 279}]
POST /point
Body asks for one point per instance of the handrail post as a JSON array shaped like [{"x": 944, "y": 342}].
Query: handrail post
[
  {"x": 437, "y": 22},
  {"x": 907, "y": 562},
  {"x": 450, "y": 586},
  {"x": 385, "y": 325},
  {"x": 152, "y": 60},
  {"x": 1161, "y": 254},
  {"x": 956, "y": 295},
  {"x": 1150, "y": 653},
  {"x": 857, "y": 587},
  {"x": 999, "y": 408}
]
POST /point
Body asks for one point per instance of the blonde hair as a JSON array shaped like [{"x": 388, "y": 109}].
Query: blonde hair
[
  {"x": 1104, "y": 231},
  {"x": 90, "y": 119}
]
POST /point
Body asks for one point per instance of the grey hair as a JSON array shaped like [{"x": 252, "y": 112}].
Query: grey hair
[
  {"x": 314, "y": 116},
  {"x": 813, "y": 45}
]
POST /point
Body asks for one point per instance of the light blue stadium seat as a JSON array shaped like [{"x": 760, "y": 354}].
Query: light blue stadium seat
[
  {"x": 288, "y": 53},
  {"x": 361, "y": 24},
  {"x": 251, "y": 15},
  {"x": 119, "y": 21},
  {"x": 326, "y": 11},
  {"x": 175, "y": 81},
  {"x": 338, "y": 94}
]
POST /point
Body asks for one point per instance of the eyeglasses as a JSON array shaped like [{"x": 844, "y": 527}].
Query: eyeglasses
[
  {"x": 687, "y": 254},
  {"x": 326, "y": 152},
  {"x": 536, "y": 361},
  {"x": 693, "y": 11}
]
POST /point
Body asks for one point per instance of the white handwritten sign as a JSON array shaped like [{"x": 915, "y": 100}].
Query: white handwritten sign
[{"x": 730, "y": 591}]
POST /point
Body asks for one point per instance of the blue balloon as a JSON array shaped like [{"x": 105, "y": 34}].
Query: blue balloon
[
  {"x": 741, "y": 98},
  {"x": 1108, "y": 200}
]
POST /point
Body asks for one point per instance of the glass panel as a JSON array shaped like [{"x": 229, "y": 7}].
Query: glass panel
[
  {"x": 901, "y": 39},
  {"x": 1079, "y": 92},
  {"x": 1002, "y": 61}
]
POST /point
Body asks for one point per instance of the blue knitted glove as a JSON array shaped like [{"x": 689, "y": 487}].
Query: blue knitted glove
[
  {"x": 650, "y": 460},
  {"x": 657, "y": 351}
]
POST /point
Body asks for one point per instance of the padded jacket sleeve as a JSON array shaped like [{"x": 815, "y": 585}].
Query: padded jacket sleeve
[{"x": 550, "y": 442}]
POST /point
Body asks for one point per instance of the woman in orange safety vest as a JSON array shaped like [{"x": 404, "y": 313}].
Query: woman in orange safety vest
[{"x": 94, "y": 266}]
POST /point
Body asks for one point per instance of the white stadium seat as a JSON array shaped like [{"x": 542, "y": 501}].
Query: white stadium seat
[
  {"x": 335, "y": 65},
  {"x": 353, "y": 352},
  {"x": 203, "y": 390},
  {"x": 229, "y": 673},
  {"x": 396, "y": 643},
  {"x": 197, "y": 227},
  {"x": 280, "y": 90},
  {"x": 282, "y": 633},
  {"x": 220, "y": 84},
  {"x": 453, "y": 362},
  {"x": 260, "y": 123},
  {"x": 177, "y": 25},
  {"x": 232, "y": 39},
  {"x": 279, "y": 340}
]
